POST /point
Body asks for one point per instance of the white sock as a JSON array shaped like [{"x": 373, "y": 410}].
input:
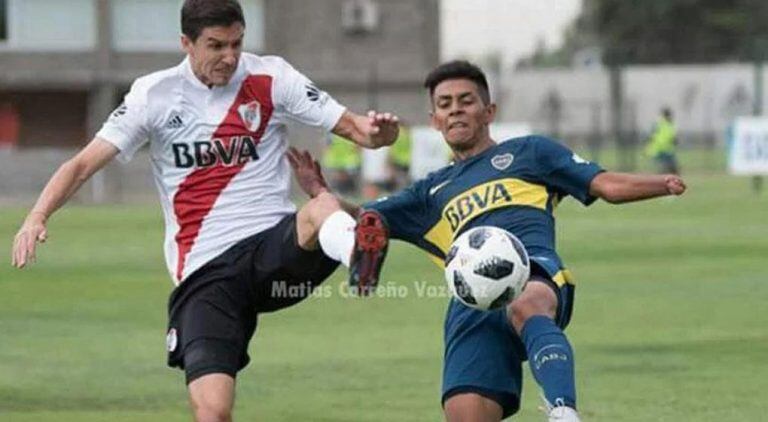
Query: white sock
[{"x": 337, "y": 236}]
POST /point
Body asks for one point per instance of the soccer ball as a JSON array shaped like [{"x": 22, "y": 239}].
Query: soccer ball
[{"x": 486, "y": 267}]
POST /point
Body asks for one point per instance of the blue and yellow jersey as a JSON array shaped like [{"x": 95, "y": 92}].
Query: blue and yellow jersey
[{"x": 515, "y": 185}]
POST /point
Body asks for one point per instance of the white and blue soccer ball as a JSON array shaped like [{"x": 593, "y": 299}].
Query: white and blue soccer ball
[{"x": 487, "y": 267}]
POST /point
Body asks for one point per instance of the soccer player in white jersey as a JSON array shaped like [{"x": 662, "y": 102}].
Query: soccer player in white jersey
[{"x": 216, "y": 131}]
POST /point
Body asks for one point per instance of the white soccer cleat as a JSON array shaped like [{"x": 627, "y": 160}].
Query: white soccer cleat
[
  {"x": 558, "y": 412},
  {"x": 563, "y": 414}
]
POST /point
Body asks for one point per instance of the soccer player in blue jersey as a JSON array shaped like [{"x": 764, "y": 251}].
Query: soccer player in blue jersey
[{"x": 515, "y": 185}]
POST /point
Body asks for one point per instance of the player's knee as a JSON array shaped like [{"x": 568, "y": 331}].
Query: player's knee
[
  {"x": 326, "y": 201},
  {"x": 208, "y": 410},
  {"x": 321, "y": 206},
  {"x": 212, "y": 397},
  {"x": 521, "y": 310},
  {"x": 213, "y": 413},
  {"x": 471, "y": 407}
]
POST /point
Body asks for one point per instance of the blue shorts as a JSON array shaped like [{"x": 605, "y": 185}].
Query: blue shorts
[{"x": 483, "y": 353}]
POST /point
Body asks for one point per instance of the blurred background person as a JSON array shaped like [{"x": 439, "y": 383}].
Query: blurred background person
[
  {"x": 400, "y": 158},
  {"x": 386, "y": 170},
  {"x": 341, "y": 160},
  {"x": 376, "y": 173},
  {"x": 663, "y": 143}
]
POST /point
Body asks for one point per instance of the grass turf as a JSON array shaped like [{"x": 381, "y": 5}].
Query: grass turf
[{"x": 670, "y": 322}]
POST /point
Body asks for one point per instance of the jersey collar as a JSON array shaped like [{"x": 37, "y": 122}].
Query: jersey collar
[{"x": 477, "y": 157}]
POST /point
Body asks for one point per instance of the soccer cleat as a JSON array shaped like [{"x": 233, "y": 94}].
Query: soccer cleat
[
  {"x": 559, "y": 412},
  {"x": 563, "y": 414},
  {"x": 371, "y": 241}
]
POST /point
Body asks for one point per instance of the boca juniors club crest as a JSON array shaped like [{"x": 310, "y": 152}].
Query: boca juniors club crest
[
  {"x": 251, "y": 115},
  {"x": 501, "y": 162}
]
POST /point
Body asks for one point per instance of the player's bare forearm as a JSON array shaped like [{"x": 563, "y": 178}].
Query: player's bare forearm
[
  {"x": 618, "y": 188},
  {"x": 72, "y": 174},
  {"x": 62, "y": 185},
  {"x": 372, "y": 131}
]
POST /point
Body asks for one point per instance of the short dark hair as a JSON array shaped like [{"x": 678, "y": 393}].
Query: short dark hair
[
  {"x": 458, "y": 69},
  {"x": 197, "y": 15}
]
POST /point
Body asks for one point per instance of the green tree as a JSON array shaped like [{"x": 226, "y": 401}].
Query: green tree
[{"x": 676, "y": 31}]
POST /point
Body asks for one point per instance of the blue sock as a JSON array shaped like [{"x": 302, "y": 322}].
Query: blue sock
[{"x": 551, "y": 359}]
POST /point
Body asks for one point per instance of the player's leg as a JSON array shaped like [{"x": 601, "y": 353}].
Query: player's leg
[
  {"x": 537, "y": 299},
  {"x": 472, "y": 407},
  {"x": 290, "y": 271},
  {"x": 314, "y": 215},
  {"x": 371, "y": 243},
  {"x": 212, "y": 318},
  {"x": 358, "y": 243},
  {"x": 673, "y": 166},
  {"x": 534, "y": 316},
  {"x": 213, "y": 350},
  {"x": 482, "y": 368},
  {"x": 212, "y": 397}
]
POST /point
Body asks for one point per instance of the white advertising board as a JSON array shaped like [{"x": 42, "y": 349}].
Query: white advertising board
[{"x": 748, "y": 146}]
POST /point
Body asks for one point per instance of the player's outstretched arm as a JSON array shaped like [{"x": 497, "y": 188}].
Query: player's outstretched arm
[
  {"x": 618, "y": 188},
  {"x": 310, "y": 177},
  {"x": 63, "y": 184},
  {"x": 372, "y": 131}
]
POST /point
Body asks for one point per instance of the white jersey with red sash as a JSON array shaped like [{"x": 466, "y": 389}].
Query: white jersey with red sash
[{"x": 218, "y": 153}]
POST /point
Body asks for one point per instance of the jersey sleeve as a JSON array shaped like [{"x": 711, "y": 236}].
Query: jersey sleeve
[
  {"x": 405, "y": 213},
  {"x": 565, "y": 170},
  {"x": 127, "y": 128},
  {"x": 303, "y": 101}
]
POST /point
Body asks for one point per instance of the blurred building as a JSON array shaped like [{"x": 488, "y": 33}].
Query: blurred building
[
  {"x": 578, "y": 104},
  {"x": 65, "y": 64}
]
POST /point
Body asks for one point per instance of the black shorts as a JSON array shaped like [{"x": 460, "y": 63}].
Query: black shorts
[{"x": 213, "y": 314}]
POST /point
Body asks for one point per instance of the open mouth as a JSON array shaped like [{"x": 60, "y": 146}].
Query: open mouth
[{"x": 457, "y": 125}]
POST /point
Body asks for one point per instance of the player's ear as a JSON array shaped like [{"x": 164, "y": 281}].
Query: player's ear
[
  {"x": 186, "y": 44},
  {"x": 433, "y": 121},
  {"x": 490, "y": 113}
]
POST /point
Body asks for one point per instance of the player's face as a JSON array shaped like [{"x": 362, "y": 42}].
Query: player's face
[
  {"x": 215, "y": 53},
  {"x": 459, "y": 113}
]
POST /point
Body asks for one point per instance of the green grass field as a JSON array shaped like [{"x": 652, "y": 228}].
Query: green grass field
[{"x": 670, "y": 323}]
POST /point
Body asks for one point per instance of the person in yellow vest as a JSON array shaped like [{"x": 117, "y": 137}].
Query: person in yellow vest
[
  {"x": 386, "y": 170},
  {"x": 663, "y": 143},
  {"x": 342, "y": 160},
  {"x": 400, "y": 157}
]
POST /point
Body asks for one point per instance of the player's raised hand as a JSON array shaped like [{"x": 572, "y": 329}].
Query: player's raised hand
[
  {"x": 307, "y": 171},
  {"x": 25, "y": 243},
  {"x": 675, "y": 184},
  {"x": 383, "y": 129}
]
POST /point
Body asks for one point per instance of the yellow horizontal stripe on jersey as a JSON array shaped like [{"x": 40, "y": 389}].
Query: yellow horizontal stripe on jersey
[
  {"x": 562, "y": 277},
  {"x": 480, "y": 199}
]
